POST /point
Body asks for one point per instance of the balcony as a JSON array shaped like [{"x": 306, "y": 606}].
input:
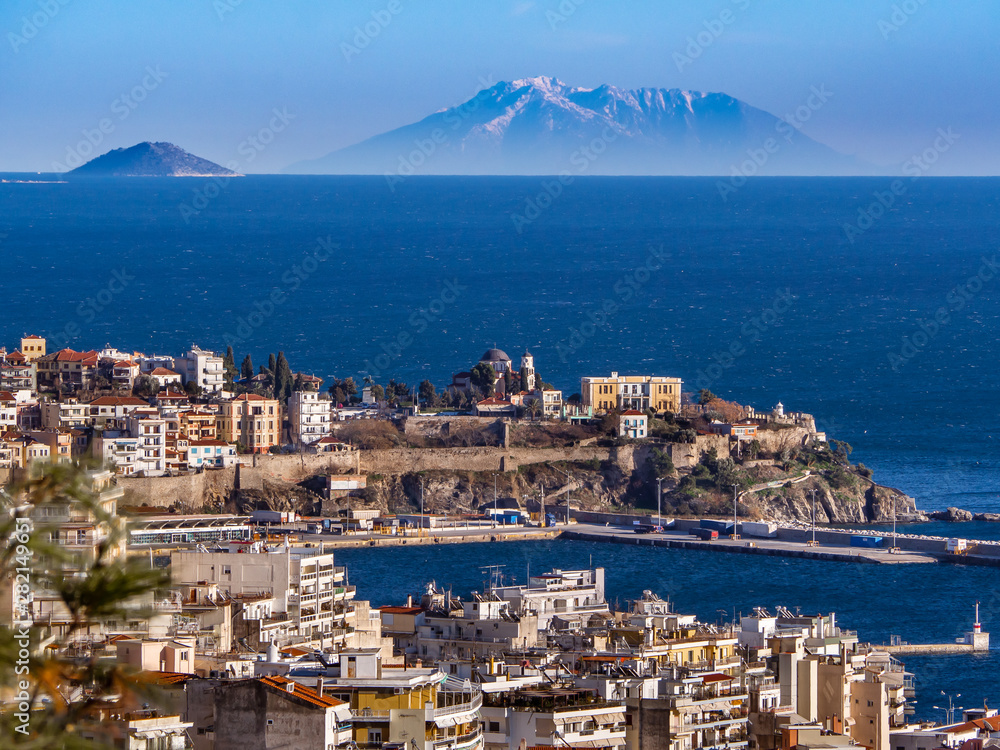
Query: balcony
[
  {"x": 460, "y": 742},
  {"x": 458, "y": 708}
]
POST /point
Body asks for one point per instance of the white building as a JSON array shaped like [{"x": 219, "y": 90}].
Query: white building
[
  {"x": 8, "y": 411},
  {"x": 151, "y": 456},
  {"x": 308, "y": 590},
  {"x": 211, "y": 454},
  {"x": 309, "y": 417},
  {"x": 558, "y": 592},
  {"x": 116, "y": 450},
  {"x": 633, "y": 424},
  {"x": 201, "y": 367}
]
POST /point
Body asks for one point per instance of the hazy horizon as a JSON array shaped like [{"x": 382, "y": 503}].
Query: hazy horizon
[{"x": 209, "y": 76}]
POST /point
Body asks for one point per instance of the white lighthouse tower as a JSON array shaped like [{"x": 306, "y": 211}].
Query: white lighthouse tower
[{"x": 979, "y": 640}]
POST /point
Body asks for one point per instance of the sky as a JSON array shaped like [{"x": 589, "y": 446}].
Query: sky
[{"x": 265, "y": 84}]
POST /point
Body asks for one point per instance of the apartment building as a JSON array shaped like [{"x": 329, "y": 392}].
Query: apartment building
[
  {"x": 67, "y": 369},
  {"x": 203, "y": 368},
  {"x": 8, "y": 411},
  {"x": 421, "y": 708},
  {"x": 113, "y": 408},
  {"x": 17, "y": 373},
  {"x": 251, "y": 420},
  {"x": 641, "y": 392},
  {"x": 309, "y": 417},
  {"x": 62, "y": 415},
  {"x": 558, "y": 592},
  {"x": 151, "y": 433},
  {"x": 116, "y": 450},
  {"x": 310, "y": 593},
  {"x": 558, "y": 717}
]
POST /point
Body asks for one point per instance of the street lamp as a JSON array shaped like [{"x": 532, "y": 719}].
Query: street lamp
[
  {"x": 952, "y": 708},
  {"x": 813, "y": 542},
  {"x": 659, "y": 497}
]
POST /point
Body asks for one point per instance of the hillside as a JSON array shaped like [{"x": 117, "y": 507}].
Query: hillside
[{"x": 151, "y": 160}]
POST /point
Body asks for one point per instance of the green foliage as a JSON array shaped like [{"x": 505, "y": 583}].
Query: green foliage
[
  {"x": 864, "y": 471},
  {"x": 524, "y": 385},
  {"x": 705, "y": 396},
  {"x": 229, "y": 368},
  {"x": 107, "y": 586},
  {"x": 427, "y": 393},
  {"x": 283, "y": 381},
  {"x": 145, "y": 387},
  {"x": 483, "y": 377},
  {"x": 378, "y": 392},
  {"x": 246, "y": 369},
  {"x": 662, "y": 463}
]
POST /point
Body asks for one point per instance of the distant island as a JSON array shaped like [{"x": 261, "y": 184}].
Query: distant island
[
  {"x": 537, "y": 126},
  {"x": 151, "y": 160}
]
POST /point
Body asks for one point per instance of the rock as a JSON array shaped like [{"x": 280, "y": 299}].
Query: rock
[
  {"x": 991, "y": 517},
  {"x": 952, "y": 515}
]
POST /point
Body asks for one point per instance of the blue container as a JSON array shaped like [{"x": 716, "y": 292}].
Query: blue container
[{"x": 868, "y": 542}]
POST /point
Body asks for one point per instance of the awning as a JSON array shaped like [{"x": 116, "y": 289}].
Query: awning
[{"x": 610, "y": 718}]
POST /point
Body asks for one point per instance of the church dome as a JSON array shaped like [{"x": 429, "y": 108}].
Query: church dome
[{"x": 495, "y": 355}]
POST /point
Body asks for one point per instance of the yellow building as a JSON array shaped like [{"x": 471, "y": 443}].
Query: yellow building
[
  {"x": 32, "y": 347},
  {"x": 420, "y": 707},
  {"x": 631, "y": 392},
  {"x": 251, "y": 420}
]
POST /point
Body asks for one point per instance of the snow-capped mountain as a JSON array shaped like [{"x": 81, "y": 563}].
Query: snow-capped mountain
[{"x": 542, "y": 126}]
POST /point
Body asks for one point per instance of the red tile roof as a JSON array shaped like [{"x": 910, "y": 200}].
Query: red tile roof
[
  {"x": 16, "y": 356},
  {"x": 632, "y": 413},
  {"x": 300, "y": 691},
  {"x": 401, "y": 610},
  {"x": 118, "y": 401},
  {"x": 163, "y": 371},
  {"x": 32, "y": 336},
  {"x": 6, "y": 396}
]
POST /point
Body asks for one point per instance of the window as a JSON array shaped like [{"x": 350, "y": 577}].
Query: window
[{"x": 494, "y": 726}]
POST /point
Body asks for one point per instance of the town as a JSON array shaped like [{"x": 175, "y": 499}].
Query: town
[{"x": 248, "y": 628}]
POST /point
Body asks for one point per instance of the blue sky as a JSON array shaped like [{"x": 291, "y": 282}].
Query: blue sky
[{"x": 211, "y": 73}]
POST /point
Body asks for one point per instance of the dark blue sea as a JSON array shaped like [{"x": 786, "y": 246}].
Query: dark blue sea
[
  {"x": 887, "y": 330},
  {"x": 347, "y": 275}
]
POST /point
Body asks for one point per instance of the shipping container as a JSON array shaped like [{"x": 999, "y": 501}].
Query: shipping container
[
  {"x": 723, "y": 527},
  {"x": 704, "y": 534},
  {"x": 957, "y": 545},
  {"x": 759, "y": 529},
  {"x": 273, "y": 516},
  {"x": 869, "y": 542}
]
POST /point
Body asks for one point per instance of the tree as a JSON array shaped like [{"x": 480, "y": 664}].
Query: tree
[
  {"x": 662, "y": 463},
  {"x": 283, "y": 380},
  {"x": 145, "y": 387},
  {"x": 192, "y": 389},
  {"x": 534, "y": 408},
  {"x": 229, "y": 368},
  {"x": 378, "y": 392},
  {"x": 427, "y": 393},
  {"x": 109, "y": 586},
  {"x": 524, "y": 384},
  {"x": 484, "y": 377},
  {"x": 508, "y": 382},
  {"x": 705, "y": 396},
  {"x": 246, "y": 369}
]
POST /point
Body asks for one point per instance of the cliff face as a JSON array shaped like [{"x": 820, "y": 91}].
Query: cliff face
[{"x": 866, "y": 502}]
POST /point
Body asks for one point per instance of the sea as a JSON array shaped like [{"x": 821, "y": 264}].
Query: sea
[{"x": 881, "y": 320}]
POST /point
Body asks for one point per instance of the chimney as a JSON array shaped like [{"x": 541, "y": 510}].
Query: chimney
[
  {"x": 319, "y": 686},
  {"x": 409, "y": 601}
]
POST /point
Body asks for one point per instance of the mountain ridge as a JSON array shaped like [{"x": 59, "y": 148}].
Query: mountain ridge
[{"x": 539, "y": 126}]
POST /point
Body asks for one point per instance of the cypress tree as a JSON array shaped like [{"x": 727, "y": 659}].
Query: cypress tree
[
  {"x": 246, "y": 369},
  {"x": 283, "y": 380}
]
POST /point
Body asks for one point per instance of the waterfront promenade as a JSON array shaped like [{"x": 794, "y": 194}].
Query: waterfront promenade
[{"x": 832, "y": 545}]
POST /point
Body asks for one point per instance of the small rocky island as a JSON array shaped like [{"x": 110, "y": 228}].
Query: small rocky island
[{"x": 151, "y": 160}]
